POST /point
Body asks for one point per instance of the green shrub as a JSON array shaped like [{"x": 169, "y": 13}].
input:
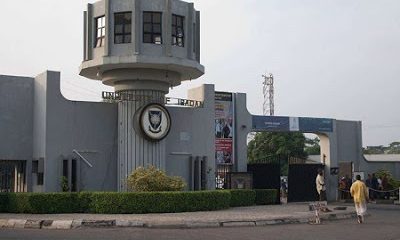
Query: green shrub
[
  {"x": 242, "y": 198},
  {"x": 18, "y": 203},
  {"x": 55, "y": 203},
  {"x": 133, "y": 202},
  {"x": 3, "y": 202},
  {"x": 43, "y": 203},
  {"x": 159, "y": 202},
  {"x": 153, "y": 180},
  {"x": 64, "y": 184},
  {"x": 85, "y": 201},
  {"x": 266, "y": 196},
  {"x": 114, "y": 203}
]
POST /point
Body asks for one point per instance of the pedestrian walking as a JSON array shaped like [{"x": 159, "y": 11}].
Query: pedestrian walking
[
  {"x": 348, "y": 185},
  {"x": 283, "y": 188},
  {"x": 320, "y": 185},
  {"x": 342, "y": 188},
  {"x": 375, "y": 187},
  {"x": 368, "y": 183},
  {"x": 359, "y": 193}
]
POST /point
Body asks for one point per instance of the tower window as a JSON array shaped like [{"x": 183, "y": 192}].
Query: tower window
[
  {"x": 122, "y": 27},
  {"x": 100, "y": 31},
  {"x": 178, "y": 34},
  {"x": 152, "y": 27}
]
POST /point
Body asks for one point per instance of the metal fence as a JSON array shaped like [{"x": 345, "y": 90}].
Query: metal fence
[{"x": 12, "y": 176}]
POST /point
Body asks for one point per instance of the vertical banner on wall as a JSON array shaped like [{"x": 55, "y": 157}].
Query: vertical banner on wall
[{"x": 224, "y": 128}]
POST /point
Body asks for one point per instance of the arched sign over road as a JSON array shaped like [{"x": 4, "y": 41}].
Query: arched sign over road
[{"x": 291, "y": 124}]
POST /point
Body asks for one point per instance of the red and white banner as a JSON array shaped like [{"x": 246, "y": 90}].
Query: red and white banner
[{"x": 224, "y": 130}]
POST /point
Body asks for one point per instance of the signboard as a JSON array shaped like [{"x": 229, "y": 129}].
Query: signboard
[
  {"x": 240, "y": 180},
  {"x": 224, "y": 130},
  {"x": 270, "y": 123},
  {"x": 316, "y": 124},
  {"x": 291, "y": 124},
  {"x": 127, "y": 96}
]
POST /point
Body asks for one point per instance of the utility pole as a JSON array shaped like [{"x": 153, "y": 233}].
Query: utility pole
[{"x": 268, "y": 90}]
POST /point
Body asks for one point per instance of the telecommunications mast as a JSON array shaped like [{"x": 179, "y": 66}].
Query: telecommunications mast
[{"x": 268, "y": 90}]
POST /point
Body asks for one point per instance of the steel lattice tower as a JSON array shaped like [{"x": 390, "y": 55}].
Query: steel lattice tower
[{"x": 268, "y": 90}]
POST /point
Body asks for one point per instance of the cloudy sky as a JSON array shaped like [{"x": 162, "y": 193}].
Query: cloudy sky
[{"x": 333, "y": 58}]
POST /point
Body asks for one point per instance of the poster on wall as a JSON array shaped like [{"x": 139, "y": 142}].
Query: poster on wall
[{"x": 224, "y": 130}]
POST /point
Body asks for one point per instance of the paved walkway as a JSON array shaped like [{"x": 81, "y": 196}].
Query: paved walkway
[{"x": 242, "y": 216}]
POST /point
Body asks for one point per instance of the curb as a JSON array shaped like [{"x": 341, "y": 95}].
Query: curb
[
  {"x": 74, "y": 224},
  {"x": 61, "y": 224}
]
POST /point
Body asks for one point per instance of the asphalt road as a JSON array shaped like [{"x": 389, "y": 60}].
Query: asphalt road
[{"x": 383, "y": 224}]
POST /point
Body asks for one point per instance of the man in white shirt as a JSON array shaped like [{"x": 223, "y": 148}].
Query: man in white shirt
[{"x": 320, "y": 185}]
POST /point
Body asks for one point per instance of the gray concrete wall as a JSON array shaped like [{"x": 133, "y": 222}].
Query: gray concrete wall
[
  {"x": 329, "y": 158},
  {"x": 39, "y": 116},
  {"x": 349, "y": 145},
  {"x": 192, "y": 135},
  {"x": 243, "y": 125},
  {"x": 90, "y": 128},
  {"x": 38, "y": 121},
  {"x": 16, "y": 118},
  {"x": 343, "y": 145},
  {"x": 349, "y": 149}
]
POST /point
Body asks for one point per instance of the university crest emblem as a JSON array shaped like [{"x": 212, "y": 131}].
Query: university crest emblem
[
  {"x": 154, "y": 122},
  {"x": 155, "y": 118}
]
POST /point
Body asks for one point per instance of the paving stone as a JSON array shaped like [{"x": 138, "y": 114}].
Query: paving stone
[
  {"x": 165, "y": 225},
  {"x": 61, "y": 224},
  {"x": 46, "y": 224},
  {"x": 304, "y": 220},
  {"x": 127, "y": 223},
  {"x": 238, "y": 224},
  {"x": 265, "y": 222},
  {"x": 3, "y": 223},
  {"x": 35, "y": 224},
  {"x": 76, "y": 224},
  {"x": 98, "y": 223},
  {"x": 332, "y": 217},
  {"x": 203, "y": 224},
  {"x": 16, "y": 223}
]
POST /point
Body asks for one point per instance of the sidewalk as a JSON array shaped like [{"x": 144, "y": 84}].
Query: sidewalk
[{"x": 293, "y": 213}]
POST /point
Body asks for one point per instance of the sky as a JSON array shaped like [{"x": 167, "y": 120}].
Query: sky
[{"x": 334, "y": 58}]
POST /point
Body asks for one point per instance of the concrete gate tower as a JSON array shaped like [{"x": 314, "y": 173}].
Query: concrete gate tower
[{"x": 141, "y": 48}]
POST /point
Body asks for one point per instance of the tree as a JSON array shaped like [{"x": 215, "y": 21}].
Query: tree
[
  {"x": 394, "y": 148},
  {"x": 267, "y": 144},
  {"x": 374, "y": 150},
  {"x": 392, "y": 182},
  {"x": 312, "y": 146}
]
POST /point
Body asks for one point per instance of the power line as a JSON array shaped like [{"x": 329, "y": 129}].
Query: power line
[
  {"x": 83, "y": 88},
  {"x": 81, "y": 91}
]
